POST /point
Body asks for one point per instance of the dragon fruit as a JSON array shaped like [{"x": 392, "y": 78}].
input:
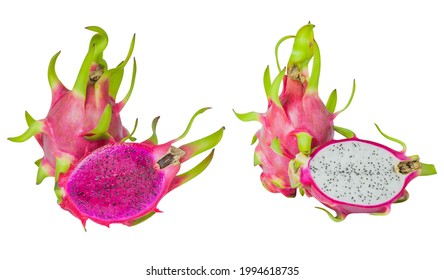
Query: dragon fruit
[
  {"x": 84, "y": 118},
  {"x": 296, "y": 120},
  {"x": 357, "y": 176},
  {"x": 123, "y": 182}
]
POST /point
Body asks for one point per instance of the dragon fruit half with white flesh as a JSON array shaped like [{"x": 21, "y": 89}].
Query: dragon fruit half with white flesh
[
  {"x": 296, "y": 120},
  {"x": 123, "y": 182},
  {"x": 84, "y": 118},
  {"x": 357, "y": 176}
]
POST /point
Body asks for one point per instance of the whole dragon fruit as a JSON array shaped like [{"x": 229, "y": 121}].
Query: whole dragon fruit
[
  {"x": 84, "y": 118},
  {"x": 124, "y": 182},
  {"x": 358, "y": 176},
  {"x": 296, "y": 120}
]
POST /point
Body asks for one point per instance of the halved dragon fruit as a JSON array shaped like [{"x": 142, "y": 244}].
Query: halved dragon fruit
[
  {"x": 297, "y": 120},
  {"x": 124, "y": 182},
  {"x": 84, "y": 118},
  {"x": 357, "y": 176}
]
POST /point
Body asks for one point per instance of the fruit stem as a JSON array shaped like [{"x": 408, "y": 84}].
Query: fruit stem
[
  {"x": 408, "y": 166},
  {"x": 171, "y": 158}
]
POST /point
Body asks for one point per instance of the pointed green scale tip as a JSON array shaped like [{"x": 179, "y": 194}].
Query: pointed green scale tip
[
  {"x": 349, "y": 100},
  {"x": 83, "y": 77},
  {"x": 254, "y": 139},
  {"x": 42, "y": 173},
  {"x": 192, "y": 173},
  {"x": 404, "y": 146},
  {"x": 130, "y": 91},
  {"x": 53, "y": 79},
  {"x": 304, "y": 142},
  {"x": 153, "y": 139},
  {"x": 191, "y": 122},
  {"x": 130, "y": 51},
  {"x": 347, "y": 133},
  {"x": 337, "y": 218},
  {"x": 116, "y": 75},
  {"x": 100, "y": 41},
  {"x": 34, "y": 128},
  {"x": 142, "y": 219},
  {"x": 59, "y": 193},
  {"x": 277, "y": 183},
  {"x": 274, "y": 88},
  {"x": 256, "y": 160},
  {"x": 332, "y": 101},
  {"x": 301, "y": 191},
  {"x": 130, "y": 135},
  {"x": 276, "y": 49},
  {"x": 313, "y": 82},
  {"x": 302, "y": 50},
  {"x": 62, "y": 165},
  {"x": 267, "y": 82},
  {"x": 248, "y": 117},
  {"x": 101, "y": 130},
  {"x": 128, "y": 55},
  {"x": 29, "y": 119},
  {"x": 427, "y": 169},
  {"x": 276, "y": 146},
  {"x": 196, "y": 147}
]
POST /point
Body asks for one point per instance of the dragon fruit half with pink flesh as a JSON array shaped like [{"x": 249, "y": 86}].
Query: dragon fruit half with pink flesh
[
  {"x": 84, "y": 118},
  {"x": 123, "y": 182},
  {"x": 357, "y": 176},
  {"x": 296, "y": 120}
]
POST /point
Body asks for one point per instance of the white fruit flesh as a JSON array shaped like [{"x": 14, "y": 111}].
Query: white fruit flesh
[{"x": 357, "y": 172}]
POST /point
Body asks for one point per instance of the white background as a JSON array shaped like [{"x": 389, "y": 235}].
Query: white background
[{"x": 193, "y": 54}]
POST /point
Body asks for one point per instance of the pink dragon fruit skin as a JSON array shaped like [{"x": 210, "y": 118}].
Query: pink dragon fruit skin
[
  {"x": 359, "y": 176},
  {"x": 84, "y": 118},
  {"x": 124, "y": 182},
  {"x": 296, "y": 120}
]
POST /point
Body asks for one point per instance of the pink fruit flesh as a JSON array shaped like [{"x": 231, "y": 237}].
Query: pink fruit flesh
[
  {"x": 116, "y": 182},
  {"x": 124, "y": 182}
]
